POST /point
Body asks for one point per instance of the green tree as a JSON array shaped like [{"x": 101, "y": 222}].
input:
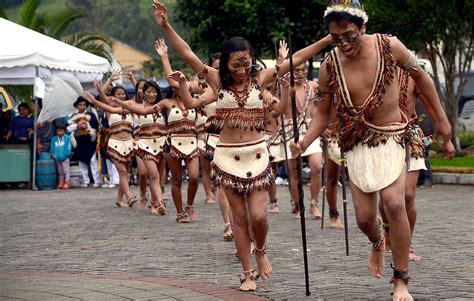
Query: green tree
[
  {"x": 442, "y": 29},
  {"x": 211, "y": 22},
  {"x": 56, "y": 25}
]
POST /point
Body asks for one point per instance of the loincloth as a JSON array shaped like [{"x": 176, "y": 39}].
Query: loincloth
[
  {"x": 211, "y": 142},
  {"x": 151, "y": 148},
  {"x": 314, "y": 147},
  {"x": 120, "y": 150},
  {"x": 242, "y": 167},
  {"x": 183, "y": 146},
  {"x": 372, "y": 168},
  {"x": 417, "y": 164}
]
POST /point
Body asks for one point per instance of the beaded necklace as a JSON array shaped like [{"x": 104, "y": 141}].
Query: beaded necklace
[{"x": 241, "y": 96}]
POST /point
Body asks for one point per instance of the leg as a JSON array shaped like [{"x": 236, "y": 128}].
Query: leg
[
  {"x": 85, "y": 173},
  {"x": 365, "y": 205},
  {"x": 226, "y": 215},
  {"x": 59, "y": 166},
  {"x": 192, "y": 166},
  {"x": 272, "y": 192},
  {"x": 316, "y": 165},
  {"x": 257, "y": 205},
  {"x": 156, "y": 195},
  {"x": 67, "y": 173},
  {"x": 294, "y": 186},
  {"x": 394, "y": 207},
  {"x": 242, "y": 237},
  {"x": 206, "y": 179},
  {"x": 113, "y": 172},
  {"x": 95, "y": 169},
  {"x": 177, "y": 176},
  {"x": 331, "y": 193},
  {"x": 410, "y": 192},
  {"x": 386, "y": 226},
  {"x": 123, "y": 183},
  {"x": 143, "y": 182}
]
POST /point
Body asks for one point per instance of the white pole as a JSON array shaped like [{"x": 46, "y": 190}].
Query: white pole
[{"x": 35, "y": 138}]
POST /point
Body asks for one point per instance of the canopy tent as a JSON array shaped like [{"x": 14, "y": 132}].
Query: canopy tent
[{"x": 28, "y": 57}]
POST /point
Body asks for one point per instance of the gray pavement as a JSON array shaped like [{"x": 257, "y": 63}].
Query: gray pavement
[{"x": 77, "y": 245}]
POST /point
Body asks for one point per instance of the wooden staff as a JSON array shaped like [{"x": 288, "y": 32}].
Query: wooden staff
[
  {"x": 344, "y": 201},
  {"x": 299, "y": 169},
  {"x": 323, "y": 178}
]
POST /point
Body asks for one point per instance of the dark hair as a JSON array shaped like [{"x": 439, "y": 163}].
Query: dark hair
[
  {"x": 24, "y": 105},
  {"x": 341, "y": 17},
  {"x": 141, "y": 80},
  {"x": 234, "y": 44},
  {"x": 152, "y": 84},
  {"x": 214, "y": 57},
  {"x": 116, "y": 88}
]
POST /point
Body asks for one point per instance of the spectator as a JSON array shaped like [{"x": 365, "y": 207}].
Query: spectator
[
  {"x": 46, "y": 129},
  {"x": 61, "y": 151},
  {"x": 83, "y": 126},
  {"x": 5, "y": 118},
  {"x": 21, "y": 128}
]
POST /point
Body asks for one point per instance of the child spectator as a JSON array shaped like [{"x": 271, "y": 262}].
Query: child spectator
[{"x": 61, "y": 151}]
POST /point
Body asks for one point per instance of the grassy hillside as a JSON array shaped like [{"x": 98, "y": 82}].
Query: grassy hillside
[{"x": 129, "y": 21}]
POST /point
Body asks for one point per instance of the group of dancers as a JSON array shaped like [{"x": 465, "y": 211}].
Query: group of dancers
[{"x": 226, "y": 117}]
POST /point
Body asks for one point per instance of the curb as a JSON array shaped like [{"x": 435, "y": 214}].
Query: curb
[{"x": 453, "y": 178}]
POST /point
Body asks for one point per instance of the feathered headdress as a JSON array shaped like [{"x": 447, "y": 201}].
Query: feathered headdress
[{"x": 352, "y": 7}]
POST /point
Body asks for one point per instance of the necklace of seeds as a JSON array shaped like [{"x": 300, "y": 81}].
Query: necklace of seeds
[{"x": 241, "y": 96}]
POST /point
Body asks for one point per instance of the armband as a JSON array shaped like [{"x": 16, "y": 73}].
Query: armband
[{"x": 411, "y": 63}]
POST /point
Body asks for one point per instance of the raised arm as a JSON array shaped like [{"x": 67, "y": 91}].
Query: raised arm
[
  {"x": 138, "y": 108},
  {"x": 298, "y": 58},
  {"x": 405, "y": 59},
  {"x": 113, "y": 77},
  {"x": 102, "y": 96},
  {"x": 128, "y": 73},
  {"x": 191, "y": 103},
  {"x": 182, "y": 48},
  {"x": 282, "y": 105},
  {"x": 105, "y": 107},
  {"x": 162, "y": 50}
]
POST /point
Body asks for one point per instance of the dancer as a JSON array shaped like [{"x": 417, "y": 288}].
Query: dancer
[
  {"x": 151, "y": 141},
  {"x": 182, "y": 142},
  {"x": 120, "y": 144},
  {"x": 417, "y": 146},
  {"x": 372, "y": 128},
  {"x": 241, "y": 164}
]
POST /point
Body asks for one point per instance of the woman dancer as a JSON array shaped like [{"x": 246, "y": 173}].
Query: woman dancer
[
  {"x": 241, "y": 162},
  {"x": 120, "y": 145}
]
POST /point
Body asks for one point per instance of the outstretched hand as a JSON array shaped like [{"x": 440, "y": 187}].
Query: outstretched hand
[
  {"x": 160, "y": 13},
  {"x": 88, "y": 96},
  {"x": 177, "y": 76},
  {"x": 128, "y": 73},
  {"x": 161, "y": 48},
  {"x": 283, "y": 50},
  {"x": 115, "y": 75}
]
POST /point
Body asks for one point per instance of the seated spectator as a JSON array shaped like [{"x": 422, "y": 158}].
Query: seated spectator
[
  {"x": 21, "y": 128},
  {"x": 61, "y": 151}
]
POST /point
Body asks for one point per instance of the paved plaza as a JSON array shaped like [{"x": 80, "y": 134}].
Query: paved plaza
[{"x": 76, "y": 244}]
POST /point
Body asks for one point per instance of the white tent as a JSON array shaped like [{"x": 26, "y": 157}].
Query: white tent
[{"x": 28, "y": 57}]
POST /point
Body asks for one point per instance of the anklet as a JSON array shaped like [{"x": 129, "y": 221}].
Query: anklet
[
  {"x": 400, "y": 275},
  {"x": 333, "y": 213},
  {"x": 378, "y": 243}
]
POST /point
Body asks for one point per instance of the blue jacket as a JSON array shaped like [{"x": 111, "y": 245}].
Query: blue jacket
[{"x": 61, "y": 148}]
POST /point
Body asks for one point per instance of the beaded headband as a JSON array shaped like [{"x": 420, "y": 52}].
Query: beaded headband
[{"x": 352, "y": 7}]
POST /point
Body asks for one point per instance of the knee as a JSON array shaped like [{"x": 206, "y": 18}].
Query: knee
[
  {"x": 142, "y": 174},
  {"x": 365, "y": 224},
  {"x": 259, "y": 220},
  {"x": 153, "y": 176},
  {"x": 193, "y": 180},
  {"x": 177, "y": 181},
  {"x": 316, "y": 170},
  {"x": 332, "y": 180},
  {"x": 240, "y": 219},
  {"x": 409, "y": 200},
  {"x": 394, "y": 208}
]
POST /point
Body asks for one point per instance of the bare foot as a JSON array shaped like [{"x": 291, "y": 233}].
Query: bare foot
[
  {"x": 142, "y": 203},
  {"x": 263, "y": 264},
  {"x": 274, "y": 208},
  {"x": 400, "y": 291},
  {"x": 314, "y": 209},
  {"x": 336, "y": 223},
  {"x": 376, "y": 260},
  {"x": 121, "y": 204},
  {"x": 412, "y": 255},
  {"x": 228, "y": 234},
  {"x": 153, "y": 207},
  {"x": 210, "y": 199},
  {"x": 247, "y": 281},
  {"x": 191, "y": 213}
]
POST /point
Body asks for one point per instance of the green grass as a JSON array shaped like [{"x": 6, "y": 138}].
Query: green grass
[{"x": 463, "y": 162}]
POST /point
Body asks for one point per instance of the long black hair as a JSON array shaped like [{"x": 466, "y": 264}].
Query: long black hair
[
  {"x": 141, "y": 80},
  {"x": 114, "y": 89},
  {"x": 154, "y": 85},
  {"x": 234, "y": 44},
  {"x": 215, "y": 56}
]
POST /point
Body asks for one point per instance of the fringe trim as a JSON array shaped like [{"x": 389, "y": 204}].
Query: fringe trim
[
  {"x": 414, "y": 138},
  {"x": 120, "y": 127},
  {"x": 181, "y": 126},
  {"x": 242, "y": 118},
  {"x": 152, "y": 130},
  {"x": 241, "y": 185},
  {"x": 202, "y": 128},
  {"x": 403, "y": 78},
  {"x": 175, "y": 153},
  {"x": 144, "y": 155},
  {"x": 115, "y": 155}
]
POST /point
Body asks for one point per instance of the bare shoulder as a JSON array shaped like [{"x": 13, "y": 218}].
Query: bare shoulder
[
  {"x": 400, "y": 52},
  {"x": 323, "y": 75}
]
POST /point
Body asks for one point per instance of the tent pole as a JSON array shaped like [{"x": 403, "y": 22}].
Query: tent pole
[{"x": 35, "y": 137}]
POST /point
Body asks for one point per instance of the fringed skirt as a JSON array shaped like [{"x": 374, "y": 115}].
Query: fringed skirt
[
  {"x": 183, "y": 146},
  {"x": 242, "y": 167},
  {"x": 273, "y": 142},
  {"x": 151, "y": 148},
  {"x": 334, "y": 152},
  {"x": 211, "y": 142},
  {"x": 120, "y": 150}
]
